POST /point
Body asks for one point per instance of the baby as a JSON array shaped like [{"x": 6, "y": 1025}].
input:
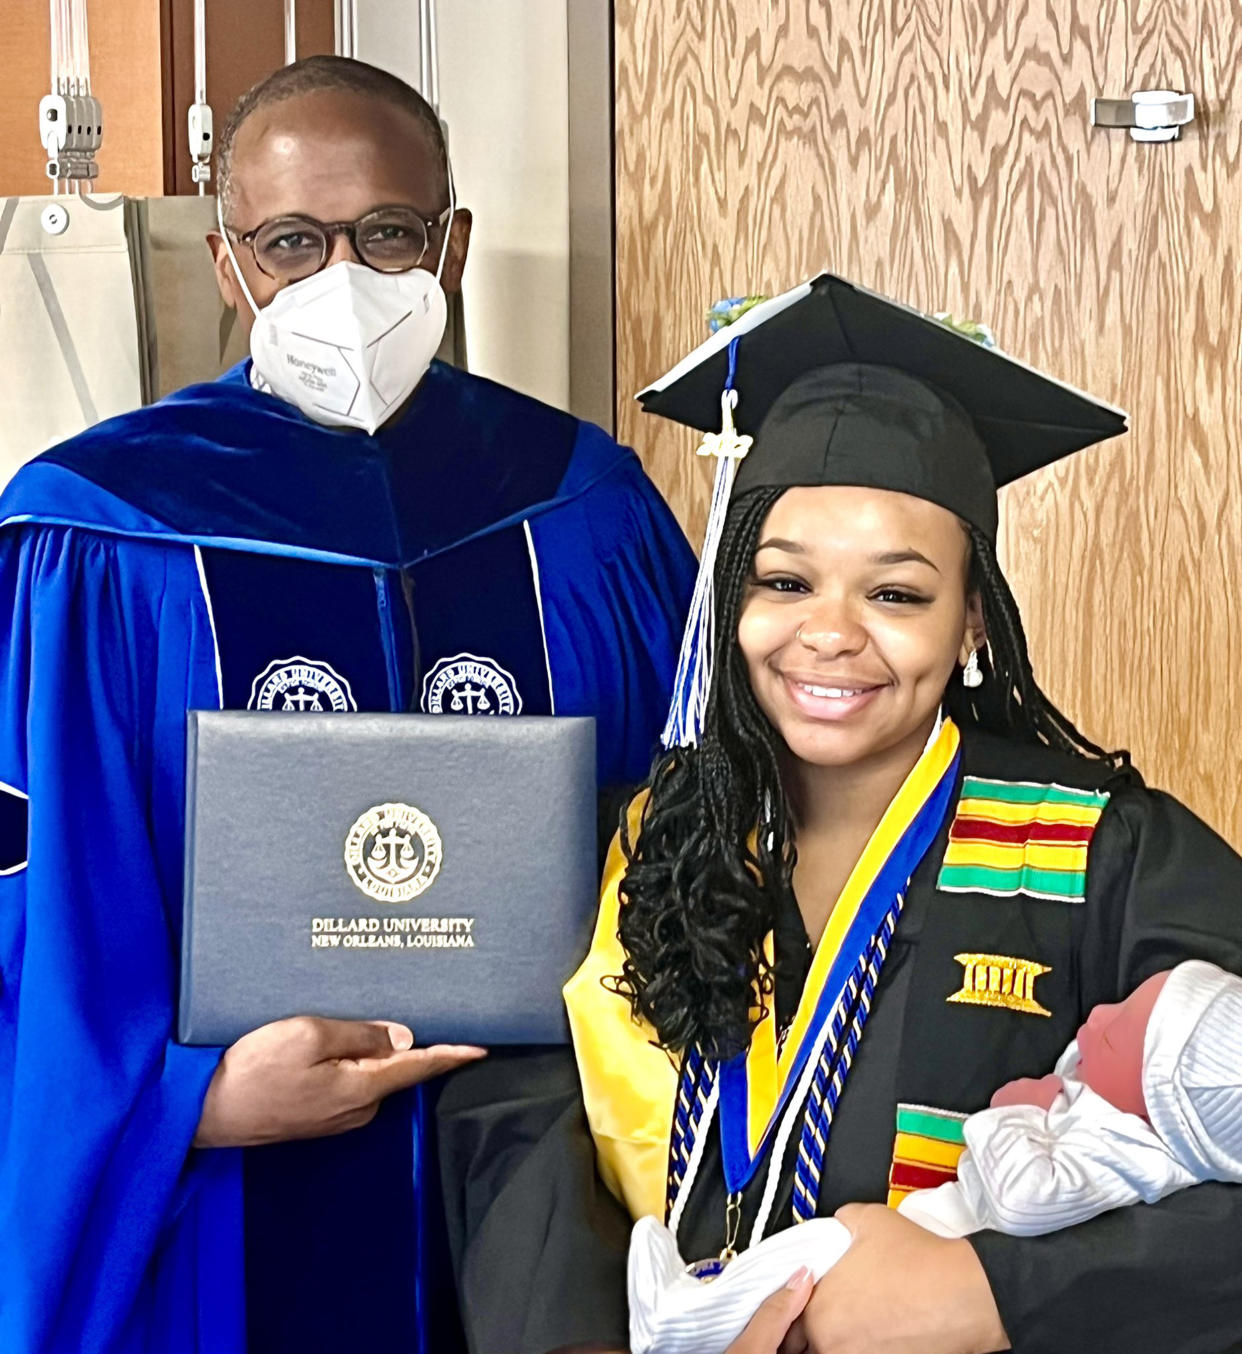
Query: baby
[{"x": 1146, "y": 1100}]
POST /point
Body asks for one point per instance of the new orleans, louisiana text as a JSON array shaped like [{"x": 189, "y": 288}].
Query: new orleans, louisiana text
[{"x": 392, "y": 933}]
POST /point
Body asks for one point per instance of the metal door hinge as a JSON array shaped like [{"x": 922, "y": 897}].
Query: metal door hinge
[{"x": 1148, "y": 114}]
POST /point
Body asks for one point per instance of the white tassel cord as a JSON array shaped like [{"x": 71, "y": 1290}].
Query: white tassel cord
[{"x": 693, "y": 681}]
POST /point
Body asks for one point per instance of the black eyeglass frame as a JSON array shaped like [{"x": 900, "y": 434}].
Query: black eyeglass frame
[{"x": 331, "y": 229}]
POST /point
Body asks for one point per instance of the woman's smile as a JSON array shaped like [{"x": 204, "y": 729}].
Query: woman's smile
[
  {"x": 856, "y": 612},
  {"x": 831, "y": 698}
]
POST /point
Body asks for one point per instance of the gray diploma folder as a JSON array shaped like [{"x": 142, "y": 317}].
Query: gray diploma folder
[{"x": 435, "y": 870}]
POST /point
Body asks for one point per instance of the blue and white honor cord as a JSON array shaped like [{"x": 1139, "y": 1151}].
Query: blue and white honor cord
[
  {"x": 694, "y": 1095},
  {"x": 834, "y": 1063},
  {"x": 815, "y": 1101}
]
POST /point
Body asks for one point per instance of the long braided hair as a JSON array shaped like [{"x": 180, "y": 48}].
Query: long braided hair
[{"x": 715, "y": 850}]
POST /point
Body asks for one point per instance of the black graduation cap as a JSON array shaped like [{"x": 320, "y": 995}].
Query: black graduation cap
[
  {"x": 840, "y": 386},
  {"x": 833, "y": 384}
]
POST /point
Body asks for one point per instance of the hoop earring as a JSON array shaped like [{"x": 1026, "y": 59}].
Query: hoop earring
[{"x": 972, "y": 674}]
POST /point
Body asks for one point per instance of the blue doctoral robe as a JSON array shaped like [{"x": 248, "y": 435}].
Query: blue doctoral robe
[{"x": 483, "y": 554}]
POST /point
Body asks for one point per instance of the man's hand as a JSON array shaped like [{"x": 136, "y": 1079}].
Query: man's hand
[
  {"x": 309, "y": 1078},
  {"x": 771, "y": 1323},
  {"x": 899, "y": 1290}
]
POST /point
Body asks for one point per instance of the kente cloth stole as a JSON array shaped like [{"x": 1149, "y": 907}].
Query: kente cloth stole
[
  {"x": 1011, "y": 838},
  {"x": 752, "y": 1091}
]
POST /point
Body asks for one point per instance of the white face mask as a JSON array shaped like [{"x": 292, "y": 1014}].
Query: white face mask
[{"x": 348, "y": 345}]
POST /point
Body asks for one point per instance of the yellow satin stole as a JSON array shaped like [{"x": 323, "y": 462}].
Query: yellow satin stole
[{"x": 628, "y": 1082}]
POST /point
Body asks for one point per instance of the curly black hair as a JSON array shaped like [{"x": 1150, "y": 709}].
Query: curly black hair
[{"x": 715, "y": 850}]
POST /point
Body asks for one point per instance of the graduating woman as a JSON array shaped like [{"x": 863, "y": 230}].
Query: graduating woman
[{"x": 875, "y": 875}]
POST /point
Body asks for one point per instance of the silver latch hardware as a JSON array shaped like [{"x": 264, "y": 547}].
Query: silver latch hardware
[{"x": 1148, "y": 114}]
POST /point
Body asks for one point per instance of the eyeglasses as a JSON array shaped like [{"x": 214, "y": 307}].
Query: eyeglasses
[{"x": 388, "y": 239}]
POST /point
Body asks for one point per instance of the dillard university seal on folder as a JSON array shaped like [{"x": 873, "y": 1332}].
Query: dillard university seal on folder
[{"x": 393, "y": 853}]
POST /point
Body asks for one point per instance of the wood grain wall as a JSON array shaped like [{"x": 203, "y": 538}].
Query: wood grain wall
[{"x": 940, "y": 151}]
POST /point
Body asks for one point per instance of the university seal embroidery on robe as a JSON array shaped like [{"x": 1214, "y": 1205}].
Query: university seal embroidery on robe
[
  {"x": 301, "y": 684},
  {"x": 467, "y": 684}
]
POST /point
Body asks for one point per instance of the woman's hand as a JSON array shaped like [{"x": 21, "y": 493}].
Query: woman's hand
[
  {"x": 765, "y": 1331},
  {"x": 771, "y": 1323},
  {"x": 309, "y": 1078},
  {"x": 899, "y": 1290}
]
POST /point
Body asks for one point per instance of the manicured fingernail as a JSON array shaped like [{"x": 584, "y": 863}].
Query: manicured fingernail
[
  {"x": 798, "y": 1277},
  {"x": 402, "y": 1038}
]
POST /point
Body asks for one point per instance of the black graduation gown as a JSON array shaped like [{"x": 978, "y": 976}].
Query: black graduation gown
[{"x": 539, "y": 1245}]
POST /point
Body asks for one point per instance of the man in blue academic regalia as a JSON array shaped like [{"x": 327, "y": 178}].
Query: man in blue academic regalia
[{"x": 341, "y": 524}]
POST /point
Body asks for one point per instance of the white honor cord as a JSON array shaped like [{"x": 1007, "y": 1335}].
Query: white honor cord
[
  {"x": 778, "y": 1152},
  {"x": 69, "y": 116},
  {"x": 696, "y": 1156},
  {"x": 794, "y": 1112},
  {"x": 804, "y": 1090},
  {"x": 796, "y": 1108},
  {"x": 782, "y": 1141}
]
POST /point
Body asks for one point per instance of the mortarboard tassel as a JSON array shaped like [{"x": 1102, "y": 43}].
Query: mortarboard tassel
[{"x": 693, "y": 681}]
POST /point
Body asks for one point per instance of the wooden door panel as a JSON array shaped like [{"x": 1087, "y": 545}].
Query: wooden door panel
[
  {"x": 245, "y": 42},
  {"x": 941, "y": 151}
]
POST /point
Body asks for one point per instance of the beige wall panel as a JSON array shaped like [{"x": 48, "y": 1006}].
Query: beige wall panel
[
  {"x": 940, "y": 150},
  {"x": 504, "y": 95}
]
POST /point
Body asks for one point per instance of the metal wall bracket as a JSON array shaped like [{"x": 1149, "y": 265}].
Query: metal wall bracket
[{"x": 1148, "y": 114}]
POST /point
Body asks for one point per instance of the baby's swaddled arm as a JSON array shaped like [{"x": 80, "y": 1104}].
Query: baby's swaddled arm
[
  {"x": 674, "y": 1313},
  {"x": 1027, "y": 1171}
]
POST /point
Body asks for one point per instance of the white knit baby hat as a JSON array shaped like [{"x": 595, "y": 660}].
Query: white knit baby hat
[{"x": 1192, "y": 1069}]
